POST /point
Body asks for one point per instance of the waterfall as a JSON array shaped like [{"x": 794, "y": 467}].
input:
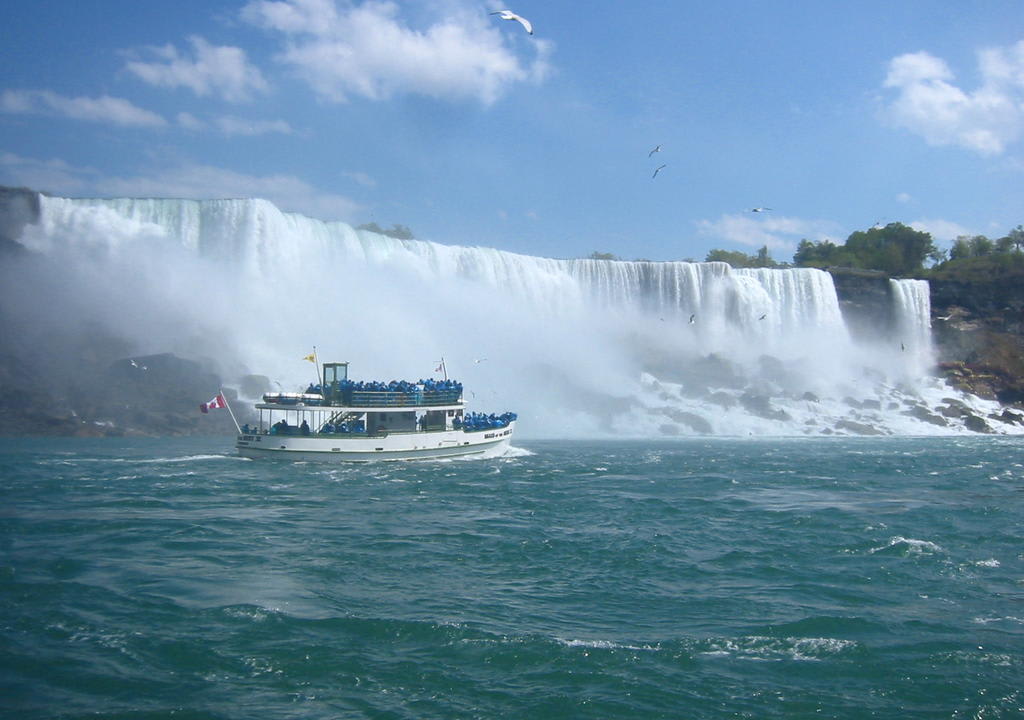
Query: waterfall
[
  {"x": 576, "y": 346},
  {"x": 912, "y": 311}
]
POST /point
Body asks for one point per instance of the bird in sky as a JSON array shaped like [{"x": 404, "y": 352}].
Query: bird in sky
[
  {"x": 509, "y": 15},
  {"x": 479, "y": 360},
  {"x": 763, "y": 316},
  {"x": 692, "y": 319},
  {"x": 759, "y": 209},
  {"x": 656, "y": 149},
  {"x": 657, "y": 171}
]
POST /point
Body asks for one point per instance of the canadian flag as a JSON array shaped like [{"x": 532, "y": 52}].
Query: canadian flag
[{"x": 215, "y": 404}]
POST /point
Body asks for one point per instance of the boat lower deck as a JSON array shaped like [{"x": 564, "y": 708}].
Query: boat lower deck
[{"x": 391, "y": 446}]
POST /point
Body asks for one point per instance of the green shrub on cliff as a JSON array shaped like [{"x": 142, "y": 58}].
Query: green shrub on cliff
[
  {"x": 896, "y": 249},
  {"x": 977, "y": 259},
  {"x": 981, "y": 269},
  {"x": 739, "y": 259}
]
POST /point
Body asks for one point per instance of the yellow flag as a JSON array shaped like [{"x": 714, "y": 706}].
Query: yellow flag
[{"x": 311, "y": 358}]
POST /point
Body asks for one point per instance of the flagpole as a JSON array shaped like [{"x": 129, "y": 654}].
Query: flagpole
[
  {"x": 316, "y": 361},
  {"x": 228, "y": 406}
]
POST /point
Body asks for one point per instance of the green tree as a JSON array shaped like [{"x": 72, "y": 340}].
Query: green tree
[
  {"x": 399, "y": 232},
  {"x": 739, "y": 259},
  {"x": 816, "y": 254},
  {"x": 1017, "y": 237},
  {"x": 961, "y": 248},
  {"x": 981, "y": 246},
  {"x": 896, "y": 249}
]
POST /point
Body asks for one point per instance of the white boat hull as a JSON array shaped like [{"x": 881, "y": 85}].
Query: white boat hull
[{"x": 394, "y": 446}]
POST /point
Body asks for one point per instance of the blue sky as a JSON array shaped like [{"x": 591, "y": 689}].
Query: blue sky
[{"x": 460, "y": 125}]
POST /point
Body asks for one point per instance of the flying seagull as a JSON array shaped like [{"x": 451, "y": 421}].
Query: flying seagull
[
  {"x": 479, "y": 360},
  {"x": 657, "y": 171},
  {"x": 759, "y": 209},
  {"x": 692, "y": 317},
  {"x": 509, "y": 15},
  {"x": 656, "y": 149},
  {"x": 763, "y": 316}
]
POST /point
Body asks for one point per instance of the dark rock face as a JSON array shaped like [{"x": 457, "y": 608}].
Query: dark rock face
[
  {"x": 140, "y": 395},
  {"x": 865, "y": 299},
  {"x": 18, "y": 207},
  {"x": 978, "y": 328}
]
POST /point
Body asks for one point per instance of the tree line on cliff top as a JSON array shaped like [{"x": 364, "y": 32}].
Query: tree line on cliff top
[{"x": 895, "y": 249}]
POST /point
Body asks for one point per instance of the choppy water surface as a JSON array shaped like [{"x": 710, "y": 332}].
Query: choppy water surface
[{"x": 837, "y": 578}]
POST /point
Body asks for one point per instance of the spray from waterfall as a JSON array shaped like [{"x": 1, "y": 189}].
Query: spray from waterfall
[{"x": 577, "y": 347}]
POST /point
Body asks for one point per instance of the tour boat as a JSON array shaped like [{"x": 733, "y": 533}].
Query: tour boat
[{"x": 342, "y": 420}]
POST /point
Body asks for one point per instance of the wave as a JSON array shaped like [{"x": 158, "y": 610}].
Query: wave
[{"x": 908, "y": 546}]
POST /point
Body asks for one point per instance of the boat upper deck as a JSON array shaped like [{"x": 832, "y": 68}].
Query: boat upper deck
[{"x": 402, "y": 394}]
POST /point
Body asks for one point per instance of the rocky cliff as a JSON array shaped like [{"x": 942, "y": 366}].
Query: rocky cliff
[
  {"x": 977, "y": 327},
  {"x": 979, "y": 335}
]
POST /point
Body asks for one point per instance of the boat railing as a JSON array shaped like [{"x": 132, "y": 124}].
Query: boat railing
[
  {"x": 367, "y": 398},
  {"x": 391, "y": 398}
]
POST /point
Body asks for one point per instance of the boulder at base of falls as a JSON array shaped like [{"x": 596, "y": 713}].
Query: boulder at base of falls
[
  {"x": 761, "y": 406},
  {"x": 920, "y": 412},
  {"x": 857, "y": 428},
  {"x": 694, "y": 422},
  {"x": 977, "y": 424}
]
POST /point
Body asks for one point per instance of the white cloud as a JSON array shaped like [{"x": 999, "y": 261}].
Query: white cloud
[
  {"x": 775, "y": 232},
  {"x": 904, "y": 198},
  {"x": 984, "y": 120},
  {"x": 230, "y": 125},
  {"x": 942, "y": 231},
  {"x": 361, "y": 178},
  {"x": 190, "y": 121},
  {"x": 187, "y": 180},
  {"x": 51, "y": 175},
  {"x": 367, "y": 50},
  {"x": 212, "y": 69},
  {"x": 103, "y": 109}
]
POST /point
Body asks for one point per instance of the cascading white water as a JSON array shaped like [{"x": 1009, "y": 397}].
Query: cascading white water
[
  {"x": 577, "y": 347},
  {"x": 913, "y": 309}
]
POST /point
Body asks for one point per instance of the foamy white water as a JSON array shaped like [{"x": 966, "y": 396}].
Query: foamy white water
[{"x": 577, "y": 347}]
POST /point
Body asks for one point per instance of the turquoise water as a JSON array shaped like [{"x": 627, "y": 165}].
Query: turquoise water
[{"x": 693, "y": 579}]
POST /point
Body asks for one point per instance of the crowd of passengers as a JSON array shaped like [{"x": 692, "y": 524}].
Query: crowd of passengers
[
  {"x": 401, "y": 386},
  {"x": 281, "y": 427},
  {"x": 470, "y": 422},
  {"x": 479, "y": 421},
  {"x": 343, "y": 428}
]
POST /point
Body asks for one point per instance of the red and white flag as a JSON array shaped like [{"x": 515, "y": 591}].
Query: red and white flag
[{"x": 215, "y": 404}]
